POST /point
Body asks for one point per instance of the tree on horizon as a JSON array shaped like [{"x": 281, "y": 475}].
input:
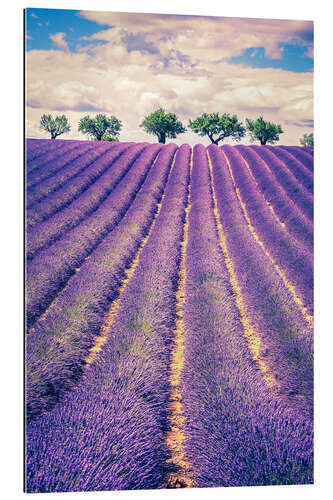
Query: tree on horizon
[
  {"x": 100, "y": 126},
  {"x": 162, "y": 125},
  {"x": 55, "y": 126},
  {"x": 218, "y": 127},
  {"x": 307, "y": 140},
  {"x": 263, "y": 131}
]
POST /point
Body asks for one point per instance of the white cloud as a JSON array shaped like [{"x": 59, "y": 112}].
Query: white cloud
[
  {"x": 209, "y": 38},
  {"x": 59, "y": 40}
]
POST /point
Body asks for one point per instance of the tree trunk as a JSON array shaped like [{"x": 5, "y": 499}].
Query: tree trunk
[
  {"x": 213, "y": 141},
  {"x": 263, "y": 141},
  {"x": 161, "y": 138}
]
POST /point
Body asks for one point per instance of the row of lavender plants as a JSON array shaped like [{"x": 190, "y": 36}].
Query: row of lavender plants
[
  {"x": 50, "y": 230},
  {"x": 64, "y": 195},
  {"x": 307, "y": 149},
  {"x": 295, "y": 261},
  {"x": 48, "y": 272},
  {"x": 301, "y": 173},
  {"x": 109, "y": 433},
  {"x": 77, "y": 313},
  {"x": 35, "y": 148},
  {"x": 72, "y": 169},
  {"x": 297, "y": 225},
  {"x": 302, "y": 155},
  {"x": 47, "y": 232},
  {"x": 296, "y": 192},
  {"x": 287, "y": 339},
  {"x": 36, "y": 168},
  {"x": 237, "y": 432}
]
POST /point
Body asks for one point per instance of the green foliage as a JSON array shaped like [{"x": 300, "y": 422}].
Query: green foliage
[
  {"x": 57, "y": 126},
  {"x": 109, "y": 138},
  {"x": 100, "y": 126},
  {"x": 307, "y": 140},
  {"x": 217, "y": 127},
  {"x": 162, "y": 125},
  {"x": 263, "y": 131}
]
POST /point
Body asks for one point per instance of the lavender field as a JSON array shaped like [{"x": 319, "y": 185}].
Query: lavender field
[{"x": 169, "y": 315}]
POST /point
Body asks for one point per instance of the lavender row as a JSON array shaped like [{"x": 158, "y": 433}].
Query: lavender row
[
  {"x": 296, "y": 192},
  {"x": 294, "y": 261},
  {"x": 307, "y": 149},
  {"x": 68, "y": 174},
  {"x": 296, "y": 223},
  {"x": 50, "y": 230},
  {"x": 50, "y": 270},
  {"x": 109, "y": 433},
  {"x": 35, "y": 148},
  {"x": 301, "y": 173},
  {"x": 36, "y": 167},
  {"x": 301, "y": 155},
  {"x": 287, "y": 339},
  {"x": 77, "y": 313},
  {"x": 59, "y": 199},
  {"x": 237, "y": 433}
]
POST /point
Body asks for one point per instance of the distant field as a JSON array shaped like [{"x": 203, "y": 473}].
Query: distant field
[{"x": 169, "y": 315}]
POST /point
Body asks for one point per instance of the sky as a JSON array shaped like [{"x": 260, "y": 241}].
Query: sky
[{"x": 128, "y": 65}]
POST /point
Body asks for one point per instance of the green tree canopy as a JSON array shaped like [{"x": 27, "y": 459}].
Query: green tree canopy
[
  {"x": 307, "y": 140},
  {"x": 217, "y": 127},
  {"x": 55, "y": 126},
  {"x": 99, "y": 126},
  {"x": 263, "y": 131},
  {"x": 162, "y": 125}
]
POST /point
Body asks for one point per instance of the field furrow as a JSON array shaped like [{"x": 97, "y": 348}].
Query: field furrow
[
  {"x": 52, "y": 267},
  {"x": 286, "y": 337},
  {"x": 68, "y": 175},
  {"x": 301, "y": 173},
  {"x": 46, "y": 152},
  {"x": 302, "y": 155},
  {"x": 47, "y": 232},
  {"x": 227, "y": 404},
  {"x": 292, "y": 261},
  {"x": 116, "y": 419},
  {"x": 115, "y": 165},
  {"x": 182, "y": 476},
  {"x": 45, "y": 165},
  {"x": 77, "y": 314},
  {"x": 296, "y": 192},
  {"x": 69, "y": 192},
  {"x": 35, "y": 148},
  {"x": 307, "y": 149},
  {"x": 288, "y": 214}
]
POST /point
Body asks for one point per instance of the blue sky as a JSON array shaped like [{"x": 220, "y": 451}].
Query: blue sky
[
  {"x": 41, "y": 23},
  {"x": 294, "y": 58}
]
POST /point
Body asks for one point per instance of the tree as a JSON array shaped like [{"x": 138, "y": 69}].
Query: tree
[
  {"x": 57, "y": 126},
  {"x": 263, "y": 131},
  {"x": 162, "y": 125},
  {"x": 217, "y": 127},
  {"x": 99, "y": 126},
  {"x": 307, "y": 140}
]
